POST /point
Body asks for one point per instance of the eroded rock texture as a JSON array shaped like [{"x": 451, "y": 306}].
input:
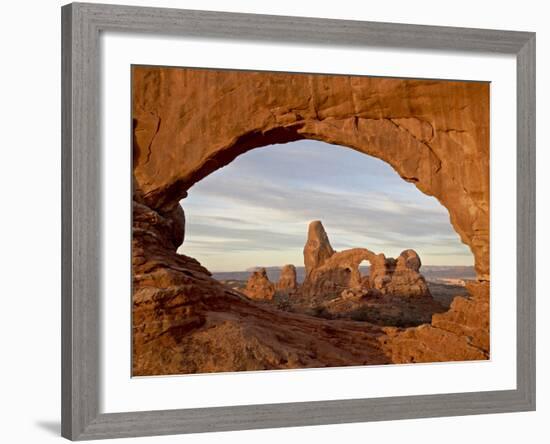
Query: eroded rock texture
[
  {"x": 435, "y": 134},
  {"x": 406, "y": 279},
  {"x": 259, "y": 286},
  {"x": 329, "y": 274},
  {"x": 188, "y": 123},
  {"x": 460, "y": 334},
  {"x": 317, "y": 248},
  {"x": 287, "y": 283}
]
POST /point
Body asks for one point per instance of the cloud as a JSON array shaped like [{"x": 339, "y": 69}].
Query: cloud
[{"x": 263, "y": 201}]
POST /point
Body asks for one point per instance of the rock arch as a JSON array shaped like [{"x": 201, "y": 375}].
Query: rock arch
[
  {"x": 329, "y": 272},
  {"x": 435, "y": 134},
  {"x": 188, "y": 123}
]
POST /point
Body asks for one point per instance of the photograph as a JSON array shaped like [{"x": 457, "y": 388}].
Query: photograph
[
  {"x": 274, "y": 222},
  {"x": 288, "y": 220}
]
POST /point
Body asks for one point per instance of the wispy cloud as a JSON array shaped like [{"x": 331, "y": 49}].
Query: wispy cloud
[{"x": 256, "y": 209}]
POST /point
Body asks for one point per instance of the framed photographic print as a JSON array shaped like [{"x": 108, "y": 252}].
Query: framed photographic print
[{"x": 279, "y": 221}]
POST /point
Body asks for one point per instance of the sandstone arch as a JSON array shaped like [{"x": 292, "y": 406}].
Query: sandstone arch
[
  {"x": 330, "y": 272},
  {"x": 189, "y": 123},
  {"x": 435, "y": 134}
]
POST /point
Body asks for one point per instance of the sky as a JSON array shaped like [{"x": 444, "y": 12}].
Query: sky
[{"x": 256, "y": 210}]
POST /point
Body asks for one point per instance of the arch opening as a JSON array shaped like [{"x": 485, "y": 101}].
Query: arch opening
[
  {"x": 417, "y": 164},
  {"x": 253, "y": 214},
  {"x": 364, "y": 269}
]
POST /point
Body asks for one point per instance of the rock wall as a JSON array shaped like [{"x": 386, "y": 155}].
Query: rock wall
[
  {"x": 460, "y": 334},
  {"x": 405, "y": 278}
]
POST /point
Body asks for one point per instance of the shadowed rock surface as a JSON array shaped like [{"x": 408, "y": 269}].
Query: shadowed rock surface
[
  {"x": 317, "y": 248},
  {"x": 188, "y": 123},
  {"x": 435, "y": 134},
  {"x": 287, "y": 283},
  {"x": 460, "y": 334}
]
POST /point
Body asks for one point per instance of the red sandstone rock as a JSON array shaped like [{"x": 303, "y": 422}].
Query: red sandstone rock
[
  {"x": 287, "y": 283},
  {"x": 184, "y": 321},
  {"x": 460, "y": 334},
  {"x": 317, "y": 248},
  {"x": 259, "y": 286},
  {"x": 190, "y": 122},
  {"x": 405, "y": 279},
  {"x": 435, "y": 134},
  {"x": 338, "y": 271}
]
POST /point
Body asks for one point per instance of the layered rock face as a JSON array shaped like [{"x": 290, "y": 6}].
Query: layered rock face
[
  {"x": 317, "y": 248},
  {"x": 460, "y": 334},
  {"x": 188, "y": 123},
  {"x": 406, "y": 279},
  {"x": 435, "y": 134}
]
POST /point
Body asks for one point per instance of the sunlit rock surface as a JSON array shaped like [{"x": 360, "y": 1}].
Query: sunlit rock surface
[{"x": 189, "y": 123}]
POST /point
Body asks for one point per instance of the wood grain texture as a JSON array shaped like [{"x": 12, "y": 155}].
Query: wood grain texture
[
  {"x": 81, "y": 230},
  {"x": 259, "y": 27},
  {"x": 81, "y": 222},
  {"x": 526, "y": 221},
  {"x": 66, "y": 223},
  {"x": 119, "y": 425}
]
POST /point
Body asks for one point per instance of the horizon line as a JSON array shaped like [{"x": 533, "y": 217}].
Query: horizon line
[{"x": 302, "y": 266}]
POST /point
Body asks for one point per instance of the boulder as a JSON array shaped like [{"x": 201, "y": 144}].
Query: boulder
[
  {"x": 406, "y": 279},
  {"x": 259, "y": 286}
]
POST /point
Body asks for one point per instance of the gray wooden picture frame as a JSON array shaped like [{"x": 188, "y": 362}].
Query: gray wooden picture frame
[{"x": 81, "y": 231}]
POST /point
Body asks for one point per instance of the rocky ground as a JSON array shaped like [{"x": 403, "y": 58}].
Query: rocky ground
[{"x": 389, "y": 311}]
